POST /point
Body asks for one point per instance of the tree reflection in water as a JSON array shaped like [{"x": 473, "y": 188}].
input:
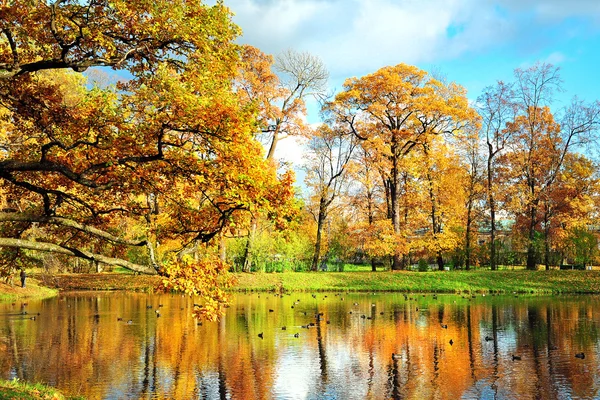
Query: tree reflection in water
[{"x": 82, "y": 344}]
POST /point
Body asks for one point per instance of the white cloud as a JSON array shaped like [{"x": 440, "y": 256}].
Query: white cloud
[
  {"x": 556, "y": 58},
  {"x": 355, "y": 37}
]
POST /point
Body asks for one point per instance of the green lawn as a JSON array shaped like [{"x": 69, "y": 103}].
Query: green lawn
[{"x": 505, "y": 281}]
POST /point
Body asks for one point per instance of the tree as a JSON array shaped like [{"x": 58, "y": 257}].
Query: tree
[
  {"x": 371, "y": 231},
  {"x": 78, "y": 160},
  {"x": 280, "y": 101},
  {"x": 539, "y": 145},
  {"x": 397, "y": 108},
  {"x": 329, "y": 155},
  {"x": 496, "y": 107},
  {"x": 474, "y": 188},
  {"x": 441, "y": 178}
]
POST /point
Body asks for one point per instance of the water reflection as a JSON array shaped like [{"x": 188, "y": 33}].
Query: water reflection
[{"x": 334, "y": 346}]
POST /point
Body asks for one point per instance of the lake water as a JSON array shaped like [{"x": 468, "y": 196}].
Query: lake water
[{"x": 113, "y": 346}]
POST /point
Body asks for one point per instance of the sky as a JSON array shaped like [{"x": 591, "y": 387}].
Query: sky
[{"x": 471, "y": 42}]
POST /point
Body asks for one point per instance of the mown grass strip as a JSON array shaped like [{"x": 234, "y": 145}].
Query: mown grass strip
[{"x": 539, "y": 282}]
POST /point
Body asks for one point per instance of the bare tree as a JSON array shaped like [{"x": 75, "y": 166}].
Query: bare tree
[
  {"x": 329, "y": 154},
  {"x": 496, "y": 107}
]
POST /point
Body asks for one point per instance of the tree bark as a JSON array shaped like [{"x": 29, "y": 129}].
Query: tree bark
[
  {"x": 320, "y": 222},
  {"x": 492, "y": 204},
  {"x": 395, "y": 203},
  {"x": 247, "y": 263},
  {"x": 53, "y": 248},
  {"x": 468, "y": 236},
  {"x": 531, "y": 257},
  {"x": 23, "y": 217}
]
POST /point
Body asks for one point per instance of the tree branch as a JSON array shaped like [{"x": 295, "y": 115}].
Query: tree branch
[{"x": 53, "y": 248}]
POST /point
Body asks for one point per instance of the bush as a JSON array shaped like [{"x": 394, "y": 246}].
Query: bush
[{"x": 423, "y": 265}]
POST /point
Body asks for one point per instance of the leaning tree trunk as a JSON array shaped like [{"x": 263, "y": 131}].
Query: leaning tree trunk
[
  {"x": 320, "y": 222},
  {"x": 248, "y": 252}
]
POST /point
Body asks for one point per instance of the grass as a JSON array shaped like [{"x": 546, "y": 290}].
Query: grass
[
  {"x": 521, "y": 281},
  {"x": 504, "y": 281},
  {"x": 32, "y": 289},
  {"x": 16, "y": 389}
]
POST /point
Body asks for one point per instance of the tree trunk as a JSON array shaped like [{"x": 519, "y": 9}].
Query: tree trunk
[
  {"x": 320, "y": 222},
  {"x": 247, "y": 262},
  {"x": 531, "y": 256},
  {"x": 440, "y": 261},
  {"x": 468, "y": 236},
  {"x": 492, "y": 204},
  {"x": 54, "y": 248},
  {"x": 395, "y": 203}
]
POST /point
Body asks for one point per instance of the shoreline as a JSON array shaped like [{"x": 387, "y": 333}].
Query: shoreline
[{"x": 479, "y": 281}]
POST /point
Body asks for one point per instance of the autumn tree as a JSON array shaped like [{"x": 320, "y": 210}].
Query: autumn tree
[
  {"x": 279, "y": 88},
  {"x": 78, "y": 160},
  {"x": 540, "y": 145},
  {"x": 474, "y": 187},
  {"x": 329, "y": 153},
  {"x": 441, "y": 178},
  {"x": 568, "y": 209},
  {"x": 398, "y": 108},
  {"x": 371, "y": 229}
]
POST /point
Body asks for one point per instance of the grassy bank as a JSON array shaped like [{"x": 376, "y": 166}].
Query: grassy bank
[
  {"x": 16, "y": 389},
  {"x": 506, "y": 281},
  {"x": 33, "y": 289},
  {"x": 442, "y": 282}
]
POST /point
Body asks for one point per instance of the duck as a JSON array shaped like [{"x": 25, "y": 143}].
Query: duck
[
  {"x": 516, "y": 358},
  {"x": 396, "y": 357},
  {"x": 296, "y": 335},
  {"x": 271, "y": 310},
  {"x": 444, "y": 326},
  {"x": 283, "y": 328},
  {"x": 130, "y": 322},
  {"x": 487, "y": 339},
  {"x": 580, "y": 355},
  {"x": 260, "y": 335},
  {"x": 451, "y": 342}
]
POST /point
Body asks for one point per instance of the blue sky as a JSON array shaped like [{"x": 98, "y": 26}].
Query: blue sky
[{"x": 472, "y": 42}]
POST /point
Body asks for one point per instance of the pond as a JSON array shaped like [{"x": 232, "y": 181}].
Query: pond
[{"x": 305, "y": 346}]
